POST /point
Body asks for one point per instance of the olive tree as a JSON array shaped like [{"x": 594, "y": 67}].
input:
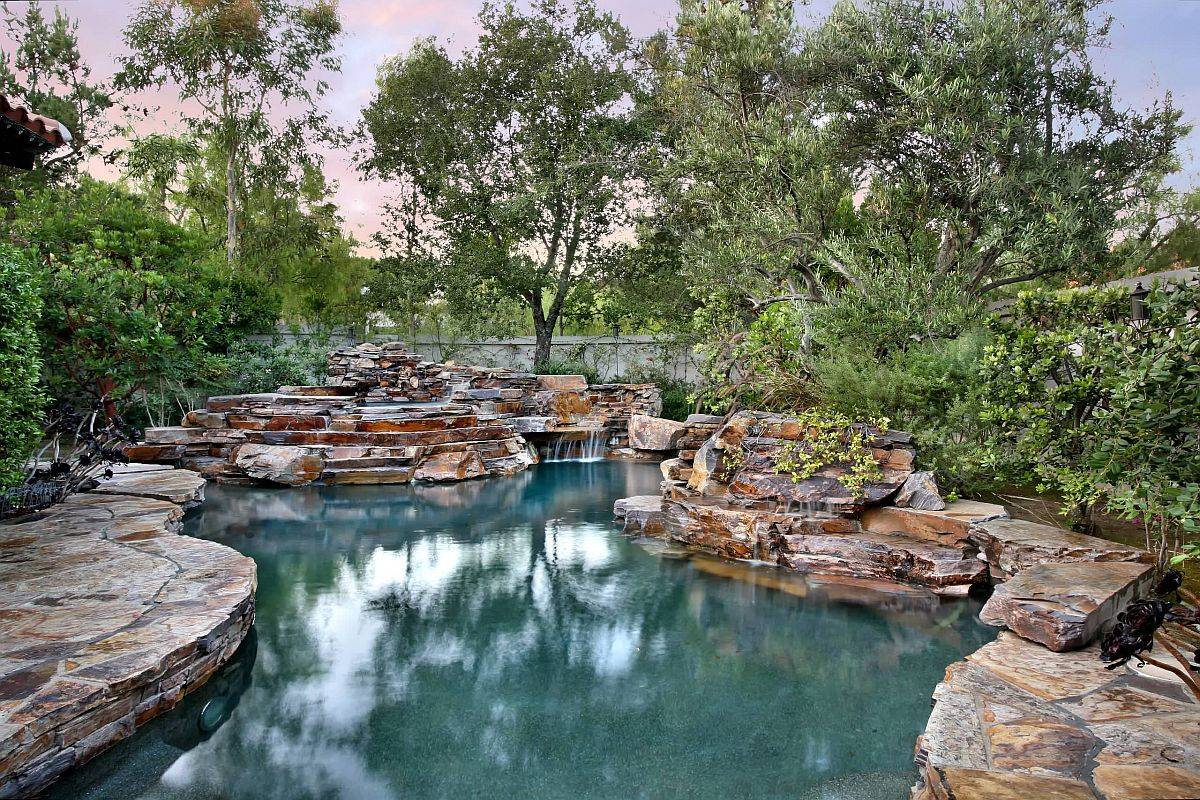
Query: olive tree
[{"x": 520, "y": 152}]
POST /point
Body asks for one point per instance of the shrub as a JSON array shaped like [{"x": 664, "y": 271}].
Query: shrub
[
  {"x": 20, "y": 364},
  {"x": 1101, "y": 409},
  {"x": 931, "y": 389},
  {"x": 568, "y": 367},
  {"x": 260, "y": 367},
  {"x": 132, "y": 302}
]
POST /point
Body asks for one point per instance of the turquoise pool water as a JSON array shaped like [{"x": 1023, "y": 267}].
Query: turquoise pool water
[{"x": 501, "y": 638}]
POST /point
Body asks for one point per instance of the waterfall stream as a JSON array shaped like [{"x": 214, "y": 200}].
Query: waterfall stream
[{"x": 571, "y": 448}]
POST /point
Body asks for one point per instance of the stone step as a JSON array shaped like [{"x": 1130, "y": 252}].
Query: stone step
[
  {"x": 1065, "y": 606},
  {"x": 402, "y": 425},
  {"x": 1013, "y": 545},
  {"x": 890, "y": 556},
  {"x": 477, "y": 434},
  {"x": 369, "y": 462},
  {"x": 277, "y": 422}
]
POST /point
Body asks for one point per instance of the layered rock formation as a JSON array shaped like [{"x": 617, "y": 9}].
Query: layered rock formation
[
  {"x": 1017, "y": 719},
  {"x": 387, "y": 416},
  {"x": 726, "y": 493},
  {"x": 732, "y": 490}
]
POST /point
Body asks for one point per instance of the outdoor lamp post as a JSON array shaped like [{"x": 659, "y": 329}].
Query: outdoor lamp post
[{"x": 1139, "y": 311}]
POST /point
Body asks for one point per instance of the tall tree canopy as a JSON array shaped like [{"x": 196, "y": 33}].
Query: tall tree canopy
[
  {"x": 899, "y": 161},
  {"x": 518, "y": 154},
  {"x": 244, "y": 64}
]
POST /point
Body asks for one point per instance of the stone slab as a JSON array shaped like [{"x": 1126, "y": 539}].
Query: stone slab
[
  {"x": 1065, "y": 606},
  {"x": 178, "y": 486},
  {"x": 951, "y": 524},
  {"x": 108, "y": 614},
  {"x": 1016, "y": 720},
  {"x": 1011, "y": 545}
]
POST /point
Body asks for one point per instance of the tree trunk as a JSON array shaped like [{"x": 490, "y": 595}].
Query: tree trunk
[
  {"x": 544, "y": 336},
  {"x": 105, "y": 387},
  {"x": 230, "y": 206}
]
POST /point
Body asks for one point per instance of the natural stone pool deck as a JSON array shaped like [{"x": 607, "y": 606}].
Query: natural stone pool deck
[
  {"x": 108, "y": 616},
  {"x": 1014, "y": 721}
]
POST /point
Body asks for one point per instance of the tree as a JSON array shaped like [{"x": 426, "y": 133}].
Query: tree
[
  {"x": 242, "y": 63},
  {"x": 132, "y": 302},
  {"x": 46, "y": 71},
  {"x": 872, "y": 180},
  {"x": 521, "y": 153}
]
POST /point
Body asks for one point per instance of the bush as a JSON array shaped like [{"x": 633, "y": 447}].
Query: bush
[
  {"x": 20, "y": 364},
  {"x": 568, "y": 367},
  {"x": 931, "y": 389},
  {"x": 258, "y": 367},
  {"x": 1101, "y": 409},
  {"x": 132, "y": 302}
]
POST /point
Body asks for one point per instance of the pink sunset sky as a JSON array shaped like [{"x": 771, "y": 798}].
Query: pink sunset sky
[{"x": 1155, "y": 48}]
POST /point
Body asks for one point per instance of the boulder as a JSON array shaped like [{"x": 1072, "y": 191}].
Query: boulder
[
  {"x": 675, "y": 469},
  {"x": 451, "y": 467},
  {"x": 290, "y": 466},
  {"x": 1065, "y": 606},
  {"x": 654, "y": 433},
  {"x": 643, "y": 514},
  {"x": 920, "y": 491}
]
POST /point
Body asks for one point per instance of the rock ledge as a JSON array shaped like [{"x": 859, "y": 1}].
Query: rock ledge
[{"x": 108, "y": 618}]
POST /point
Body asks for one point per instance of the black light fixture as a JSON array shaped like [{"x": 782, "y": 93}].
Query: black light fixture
[{"x": 1139, "y": 310}]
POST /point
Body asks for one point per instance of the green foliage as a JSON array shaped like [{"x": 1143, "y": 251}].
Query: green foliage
[
  {"x": 243, "y": 65},
  {"x": 515, "y": 159},
  {"x": 1102, "y": 410},
  {"x": 568, "y": 367},
  {"x": 21, "y": 398},
  {"x": 873, "y": 178},
  {"x": 46, "y": 71},
  {"x": 260, "y": 367},
  {"x": 132, "y": 301},
  {"x": 831, "y": 438},
  {"x": 932, "y": 389}
]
